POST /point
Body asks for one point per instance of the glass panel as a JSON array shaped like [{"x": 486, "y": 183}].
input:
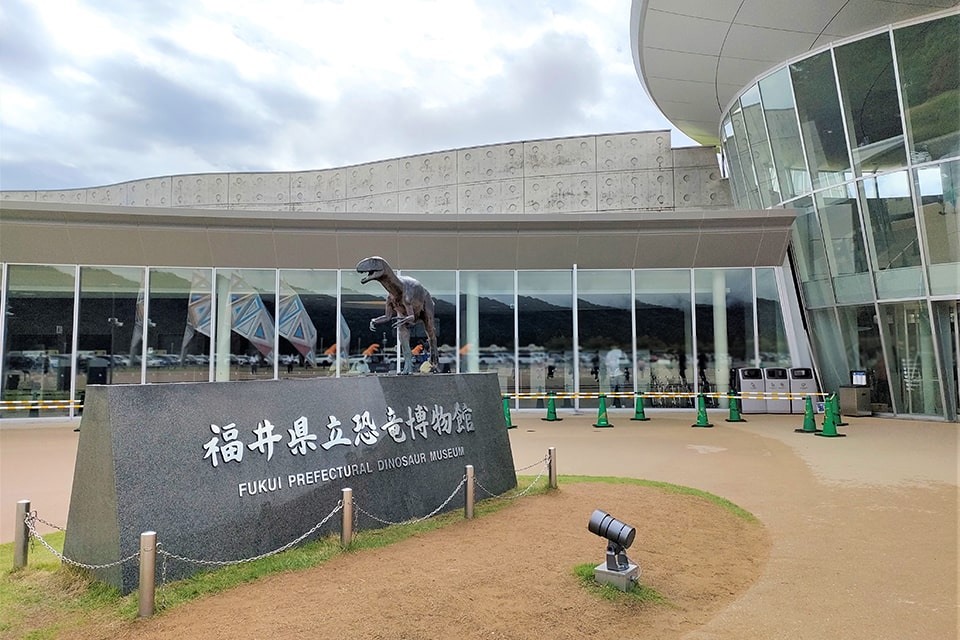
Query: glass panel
[
  {"x": 828, "y": 346},
  {"x": 869, "y": 88},
  {"x": 840, "y": 217},
  {"x": 605, "y": 335},
  {"x": 821, "y": 124},
  {"x": 864, "y": 352},
  {"x": 774, "y": 347},
  {"x": 760, "y": 151},
  {"x": 781, "y": 119},
  {"x": 246, "y": 300},
  {"x": 487, "y": 323},
  {"x": 929, "y": 59},
  {"x": 307, "y": 321},
  {"x": 810, "y": 256},
  {"x": 724, "y": 303},
  {"x": 545, "y": 326},
  {"x": 939, "y": 189},
  {"x": 743, "y": 155},
  {"x": 914, "y": 376},
  {"x": 664, "y": 336},
  {"x": 892, "y": 233},
  {"x": 38, "y": 338},
  {"x": 177, "y": 333},
  {"x": 110, "y": 327},
  {"x": 442, "y": 286},
  {"x": 947, "y": 337},
  {"x": 732, "y": 155}
]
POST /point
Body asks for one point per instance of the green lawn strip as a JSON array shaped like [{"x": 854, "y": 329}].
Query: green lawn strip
[
  {"x": 638, "y": 593},
  {"x": 670, "y": 488},
  {"x": 46, "y": 598}
]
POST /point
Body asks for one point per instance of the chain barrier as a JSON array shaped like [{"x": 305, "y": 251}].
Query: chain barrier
[
  {"x": 463, "y": 480},
  {"x": 545, "y": 461},
  {"x": 31, "y": 521}
]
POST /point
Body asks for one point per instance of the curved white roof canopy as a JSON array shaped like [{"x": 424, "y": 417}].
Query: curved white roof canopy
[{"x": 694, "y": 56}]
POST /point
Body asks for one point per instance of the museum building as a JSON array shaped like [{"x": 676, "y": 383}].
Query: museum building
[{"x": 593, "y": 264}]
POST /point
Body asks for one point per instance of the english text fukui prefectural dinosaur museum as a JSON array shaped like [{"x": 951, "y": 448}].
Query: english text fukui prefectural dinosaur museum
[{"x": 817, "y": 228}]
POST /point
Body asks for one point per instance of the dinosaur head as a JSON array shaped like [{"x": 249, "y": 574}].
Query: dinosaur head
[{"x": 375, "y": 268}]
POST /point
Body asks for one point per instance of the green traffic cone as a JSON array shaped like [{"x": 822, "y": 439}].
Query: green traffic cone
[
  {"x": 809, "y": 421},
  {"x": 506, "y": 412},
  {"x": 701, "y": 412},
  {"x": 829, "y": 422},
  {"x": 734, "y": 407},
  {"x": 836, "y": 412},
  {"x": 602, "y": 413},
  {"x": 638, "y": 409},
  {"x": 551, "y": 409}
]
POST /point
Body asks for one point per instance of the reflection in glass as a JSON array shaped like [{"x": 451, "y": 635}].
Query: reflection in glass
[
  {"x": 359, "y": 304},
  {"x": 810, "y": 255},
  {"x": 821, "y": 125},
  {"x": 110, "y": 326},
  {"x": 545, "y": 325},
  {"x": 604, "y": 322},
  {"x": 781, "y": 119},
  {"x": 760, "y": 151},
  {"x": 930, "y": 77},
  {"x": 442, "y": 286},
  {"x": 745, "y": 158},
  {"x": 246, "y": 331},
  {"x": 843, "y": 238},
  {"x": 177, "y": 332},
  {"x": 828, "y": 345},
  {"x": 731, "y": 155},
  {"x": 892, "y": 233},
  {"x": 38, "y": 337},
  {"x": 724, "y": 326},
  {"x": 864, "y": 351},
  {"x": 664, "y": 335},
  {"x": 487, "y": 302},
  {"x": 307, "y": 320},
  {"x": 939, "y": 188},
  {"x": 774, "y": 346},
  {"x": 914, "y": 380},
  {"x": 871, "y": 105}
]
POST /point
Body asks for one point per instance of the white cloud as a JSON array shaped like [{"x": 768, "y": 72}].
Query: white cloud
[{"x": 102, "y": 91}]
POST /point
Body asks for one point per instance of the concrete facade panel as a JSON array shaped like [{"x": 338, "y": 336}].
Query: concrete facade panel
[
  {"x": 266, "y": 189},
  {"x": 156, "y": 192},
  {"x": 200, "y": 189},
  {"x": 115, "y": 194},
  {"x": 498, "y": 196},
  {"x": 634, "y": 151},
  {"x": 383, "y": 203},
  {"x": 560, "y": 156},
  {"x": 372, "y": 179},
  {"x": 561, "y": 193},
  {"x": 496, "y": 162},
  {"x": 69, "y": 196},
  {"x": 441, "y": 199},
  {"x": 428, "y": 171}
]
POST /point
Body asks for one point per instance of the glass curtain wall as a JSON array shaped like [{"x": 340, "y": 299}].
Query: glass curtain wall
[
  {"x": 843, "y": 238},
  {"x": 914, "y": 381},
  {"x": 939, "y": 189},
  {"x": 246, "y": 330},
  {"x": 38, "y": 339},
  {"x": 442, "y": 286},
  {"x": 892, "y": 235},
  {"x": 176, "y": 335},
  {"x": 605, "y": 333},
  {"x": 665, "y": 341},
  {"x": 781, "y": 120},
  {"x": 544, "y": 328},
  {"x": 308, "y": 322},
  {"x": 359, "y": 304},
  {"x": 109, "y": 326},
  {"x": 864, "y": 351},
  {"x": 487, "y": 329},
  {"x": 771, "y": 333},
  {"x": 724, "y": 326},
  {"x": 821, "y": 124}
]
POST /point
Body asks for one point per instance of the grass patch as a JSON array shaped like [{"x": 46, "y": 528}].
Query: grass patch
[
  {"x": 636, "y": 593},
  {"x": 723, "y": 503},
  {"x": 46, "y": 600}
]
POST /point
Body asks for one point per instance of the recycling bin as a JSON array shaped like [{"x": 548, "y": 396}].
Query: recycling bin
[
  {"x": 777, "y": 386},
  {"x": 802, "y": 384},
  {"x": 750, "y": 382}
]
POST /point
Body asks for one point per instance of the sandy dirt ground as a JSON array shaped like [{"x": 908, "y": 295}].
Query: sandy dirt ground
[{"x": 858, "y": 539}]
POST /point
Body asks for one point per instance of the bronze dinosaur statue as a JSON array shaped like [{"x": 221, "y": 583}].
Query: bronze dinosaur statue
[{"x": 408, "y": 302}]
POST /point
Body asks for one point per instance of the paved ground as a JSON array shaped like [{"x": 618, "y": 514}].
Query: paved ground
[{"x": 864, "y": 529}]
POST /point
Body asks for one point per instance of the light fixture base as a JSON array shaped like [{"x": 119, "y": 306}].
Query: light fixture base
[{"x": 620, "y": 579}]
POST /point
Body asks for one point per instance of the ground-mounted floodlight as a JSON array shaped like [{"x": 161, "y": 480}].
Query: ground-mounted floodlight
[{"x": 618, "y": 570}]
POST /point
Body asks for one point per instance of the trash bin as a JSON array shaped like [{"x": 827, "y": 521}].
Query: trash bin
[
  {"x": 802, "y": 384},
  {"x": 97, "y": 371},
  {"x": 775, "y": 382},
  {"x": 750, "y": 382}
]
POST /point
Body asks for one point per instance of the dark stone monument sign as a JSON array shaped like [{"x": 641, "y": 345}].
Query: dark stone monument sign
[{"x": 230, "y": 470}]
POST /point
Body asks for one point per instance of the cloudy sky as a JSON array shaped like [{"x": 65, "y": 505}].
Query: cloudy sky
[{"x": 94, "y": 92}]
